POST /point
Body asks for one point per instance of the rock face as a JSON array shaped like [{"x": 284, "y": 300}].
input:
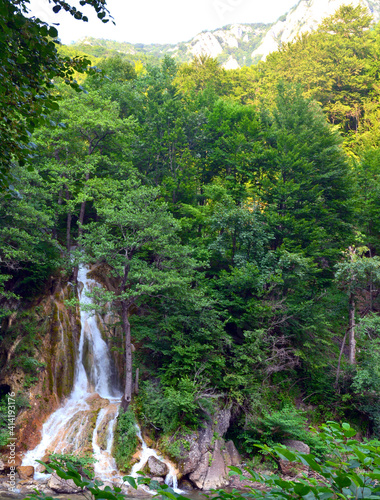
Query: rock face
[
  {"x": 206, "y": 456},
  {"x": 305, "y": 17},
  {"x": 294, "y": 469},
  {"x": 157, "y": 468}
]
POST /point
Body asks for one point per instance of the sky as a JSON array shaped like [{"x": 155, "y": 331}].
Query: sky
[{"x": 161, "y": 21}]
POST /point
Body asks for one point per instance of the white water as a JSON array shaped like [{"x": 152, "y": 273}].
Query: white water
[
  {"x": 171, "y": 477},
  {"x": 65, "y": 429},
  {"x": 61, "y": 433}
]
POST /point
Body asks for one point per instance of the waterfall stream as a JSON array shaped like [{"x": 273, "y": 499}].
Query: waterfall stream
[
  {"x": 146, "y": 453},
  {"x": 87, "y": 420}
]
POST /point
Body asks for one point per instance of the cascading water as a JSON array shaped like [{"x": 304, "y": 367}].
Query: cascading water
[
  {"x": 70, "y": 429},
  {"x": 146, "y": 453}
]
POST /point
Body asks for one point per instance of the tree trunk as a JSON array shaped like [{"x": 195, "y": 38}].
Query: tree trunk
[
  {"x": 351, "y": 329},
  {"x": 136, "y": 388},
  {"x": 127, "y": 398}
]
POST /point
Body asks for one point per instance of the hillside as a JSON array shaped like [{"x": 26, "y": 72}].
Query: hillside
[{"x": 234, "y": 45}]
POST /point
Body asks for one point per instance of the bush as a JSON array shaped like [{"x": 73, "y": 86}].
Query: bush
[
  {"x": 168, "y": 408},
  {"x": 277, "y": 426},
  {"x": 125, "y": 439}
]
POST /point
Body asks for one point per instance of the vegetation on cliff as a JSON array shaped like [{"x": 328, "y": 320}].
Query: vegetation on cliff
[{"x": 237, "y": 215}]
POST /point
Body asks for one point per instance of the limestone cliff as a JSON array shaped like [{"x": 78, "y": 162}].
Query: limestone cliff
[
  {"x": 239, "y": 44},
  {"x": 305, "y": 17}
]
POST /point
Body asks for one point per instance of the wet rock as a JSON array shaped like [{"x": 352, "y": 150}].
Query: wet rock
[
  {"x": 59, "y": 485},
  {"x": 2, "y": 466},
  {"x": 96, "y": 402},
  {"x": 156, "y": 467},
  {"x": 233, "y": 456},
  {"x": 149, "y": 441},
  {"x": 46, "y": 458},
  {"x": 186, "y": 485},
  {"x": 25, "y": 471},
  {"x": 27, "y": 485}
]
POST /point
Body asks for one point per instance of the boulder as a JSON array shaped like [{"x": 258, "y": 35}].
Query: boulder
[
  {"x": 199, "y": 474},
  {"x": 294, "y": 469},
  {"x": 299, "y": 446},
  {"x": 46, "y": 458},
  {"x": 25, "y": 471},
  {"x": 156, "y": 467},
  {"x": 216, "y": 475},
  {"x": 159, "y": 480},
  {"x": 233, "y": 456},
  {"x": 59, "y": 485}
]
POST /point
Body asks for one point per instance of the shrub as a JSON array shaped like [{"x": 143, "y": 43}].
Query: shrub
[{"x": 125, "y": 439}]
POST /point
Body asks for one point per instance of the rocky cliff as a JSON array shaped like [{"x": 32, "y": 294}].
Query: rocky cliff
[
  {"x": 236, "y": 45},
  {"x": 305, "y": 17}
]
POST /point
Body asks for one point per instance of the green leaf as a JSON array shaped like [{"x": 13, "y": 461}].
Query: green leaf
[
  {"x": 131, "y": 481},
  {"x": 301, "y": 489}
]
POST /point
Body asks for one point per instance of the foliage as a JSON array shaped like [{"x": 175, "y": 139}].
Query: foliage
[
  {"x": 125, "y": 439},
  {"x": 219, "y": 203},
  {"x": 350, "y": 472},
  {"x": 180, "y": 405},
  {"x": 29, "y": 62}
]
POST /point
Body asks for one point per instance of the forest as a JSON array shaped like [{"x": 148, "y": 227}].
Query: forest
[{"x": 237, "y": 216}]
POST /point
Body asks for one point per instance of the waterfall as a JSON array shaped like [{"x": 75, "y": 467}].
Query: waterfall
[
  {"x": 171, "y": 477},
  {"x": 70, "y": 429},
  {"x": 67, "y": 430}
]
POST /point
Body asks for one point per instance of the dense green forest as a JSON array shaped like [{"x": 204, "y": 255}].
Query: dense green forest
[{"x": 238, "y": 214}]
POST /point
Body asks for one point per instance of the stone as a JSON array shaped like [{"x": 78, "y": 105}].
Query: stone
[
  {"x": 234, "y": 455},
  {"x": 59, "y": 485},
  {"x": 185, "y": 485},
  {"x": 159, "y": 480},
  {"x": 25, "y": 471},
  {"x": 199, "y": 474},
  {"x": 96, "y": 402},
  {"x": 299, "y": 446},
  {"x": 222, "y": 419},
  {"x": 156, "y": 467},
  {"x": 2, "y": 466},
  {"x": 149, "y": 441},
  {"x": 294, "y": 469},
  {"x": 216, "y": 473}
]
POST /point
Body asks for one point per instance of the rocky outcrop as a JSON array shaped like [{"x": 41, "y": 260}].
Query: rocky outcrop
[
  {"x": 305, "y": 17},
  {"x": 205, "y": 456},
  {"x": 48, "y": 332}
]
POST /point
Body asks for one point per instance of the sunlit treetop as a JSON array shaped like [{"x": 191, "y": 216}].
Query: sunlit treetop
[{"x": 29, "y": 64}]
